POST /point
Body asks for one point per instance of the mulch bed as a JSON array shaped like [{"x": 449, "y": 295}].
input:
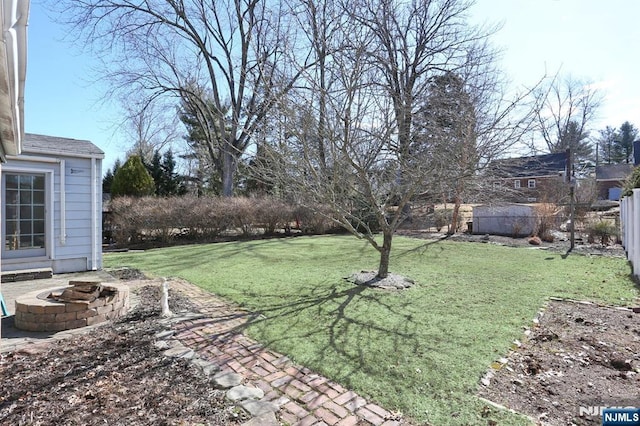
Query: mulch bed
[{"x": 111, "y": 375}]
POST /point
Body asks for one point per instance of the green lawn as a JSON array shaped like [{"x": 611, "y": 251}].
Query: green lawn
[{"x": 421, "y": 351}]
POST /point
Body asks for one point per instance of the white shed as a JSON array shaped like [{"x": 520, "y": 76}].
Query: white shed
[
  {"x": 515, "y": 220},
  {"x": 52, "y": 206}
]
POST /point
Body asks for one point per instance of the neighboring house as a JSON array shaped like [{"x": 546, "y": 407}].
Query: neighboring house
[
  {"x": 52, "y": 206},
  {"x": 610, "y": 180},
  {"x": 530, "y": 179}
]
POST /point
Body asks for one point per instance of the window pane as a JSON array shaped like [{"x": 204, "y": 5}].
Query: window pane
[
  {"x": 25, "y": 212},
  {"x": 26, "y": 181},
  {"x": 12, "y": 226},
  {"x": 25, "y": 227},
  {"x": 25, "y": 197},
  {"x": 12, "y": 212},
  {"x": 13, "y": 197},
  {"x": 25, "y": 241},
  {"x": 38, "y": 241},
  {"x": 11, "y": 181},
  {"x": 38, "y": 183},
  {"x": 38, "y": 212},
  {"x": 38, "y": 197},
  {"x": 38, "y": 226}
]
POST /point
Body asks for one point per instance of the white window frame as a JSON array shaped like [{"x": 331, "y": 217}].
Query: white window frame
[
  {"x": 49, "y": 248},
  {"x": 516, "y": 184},
  {"x": 531, "y": 184}
]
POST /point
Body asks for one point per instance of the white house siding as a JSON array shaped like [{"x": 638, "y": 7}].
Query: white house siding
[{"x": 74, "y": 225}]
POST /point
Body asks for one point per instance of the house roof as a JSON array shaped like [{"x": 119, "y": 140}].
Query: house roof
[
  {"x": 54, "y": 145},
  {"x": 614, "y": 172},
  {"x": 533, "y": 166}
]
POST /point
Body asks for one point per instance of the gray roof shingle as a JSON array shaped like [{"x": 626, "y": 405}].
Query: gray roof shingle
[
  {"x": 54, "y": 145},
  {"x": 614, "y": 172},
  {"x": 538, "y": 165}
]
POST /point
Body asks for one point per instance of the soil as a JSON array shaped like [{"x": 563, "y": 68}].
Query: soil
[
  {"x": 111, "y": 375},
  {"x": 578, "y": 359}
]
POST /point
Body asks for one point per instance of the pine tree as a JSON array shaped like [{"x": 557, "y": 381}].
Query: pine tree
[
  {"x": 622, "y": 149},
  {"x": 171, "y": 183},
  {"x": 107, "y": 181}
]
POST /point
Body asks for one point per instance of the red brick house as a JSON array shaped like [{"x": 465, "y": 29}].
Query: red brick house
[{"x": 538, "y": 178}]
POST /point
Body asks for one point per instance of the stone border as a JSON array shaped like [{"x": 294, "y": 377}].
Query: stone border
[{"x": 36, "y": 314}]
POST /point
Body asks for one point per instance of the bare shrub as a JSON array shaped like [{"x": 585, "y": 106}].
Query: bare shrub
[
  {"x": 316, "y": 220},
  {"x": 272, "y": 214},
  {"x": 244, "y": 212},
  {"x": 441, "y": 218},
  {"x": 205, "y": 217},
  {"x": 546, "y": 220},
  {"x": 125, "y": 219}
]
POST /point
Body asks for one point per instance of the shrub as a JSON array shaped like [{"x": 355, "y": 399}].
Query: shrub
[
  {"x": 137, "y": 220},
  {"x": 442, "y": 218},
  {"x": 546, "y": 220},
  {"x": 315, "y": 220},
  {"x": 631, "y": 183},
  {"x": 132, "y": 179},
  {"x": 244, "y": 212},
  {"x": 603, "y": 230},
  {"x": 273, "y": 214}
]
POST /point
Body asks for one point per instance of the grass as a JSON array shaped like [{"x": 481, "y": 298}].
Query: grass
[{"x": 420, "y": 351}]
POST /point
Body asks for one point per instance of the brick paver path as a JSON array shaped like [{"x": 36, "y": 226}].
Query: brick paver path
[{"x": 304, "y": 397}]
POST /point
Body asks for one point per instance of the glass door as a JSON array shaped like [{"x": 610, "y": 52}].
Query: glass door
[{"x": 24, "y": 215}]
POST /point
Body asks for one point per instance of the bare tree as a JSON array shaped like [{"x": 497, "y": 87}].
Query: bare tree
[
  {"x": 233, "y": 48},
  {"x": 149, "y": 127},
  {"x": 380, "y": 60},
  {"x": 569, "y": 107}
]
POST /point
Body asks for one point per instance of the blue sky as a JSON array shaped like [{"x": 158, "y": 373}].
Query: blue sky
[{"x": 590, "y": 39}]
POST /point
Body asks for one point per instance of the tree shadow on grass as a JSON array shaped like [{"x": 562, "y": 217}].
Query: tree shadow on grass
[{"x": 350, "y": 323}]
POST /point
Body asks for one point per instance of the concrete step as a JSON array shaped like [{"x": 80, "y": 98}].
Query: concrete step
[{"x": 26, "y": 275}]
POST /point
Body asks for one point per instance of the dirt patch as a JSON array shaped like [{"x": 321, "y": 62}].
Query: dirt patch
[
  {"x": 560, "y": 244},
  {"x": 112, "y": 375},
  {"x": 578, "y": 358}
]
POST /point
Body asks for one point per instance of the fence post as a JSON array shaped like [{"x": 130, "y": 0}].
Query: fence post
[{"x": 623, "y": 218}]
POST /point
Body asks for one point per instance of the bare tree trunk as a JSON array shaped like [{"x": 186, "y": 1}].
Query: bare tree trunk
[
  {"x": 385, "y": 252},
  {"x": 455, "y": 215},
  {"x": 228, "y": 173}
]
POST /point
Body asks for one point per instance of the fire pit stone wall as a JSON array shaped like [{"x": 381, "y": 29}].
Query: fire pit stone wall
[{"x": 37, "y": 313}]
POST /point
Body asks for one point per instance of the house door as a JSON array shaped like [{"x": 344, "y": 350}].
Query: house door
[{"x": 24, "y": 215}]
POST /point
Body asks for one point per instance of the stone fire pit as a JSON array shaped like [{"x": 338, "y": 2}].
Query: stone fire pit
[{"x": 82, "y": 303}]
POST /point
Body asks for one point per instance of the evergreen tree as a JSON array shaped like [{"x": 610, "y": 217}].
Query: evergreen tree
[
  {"x": 107, "y": 180},
  {"x": 155, "y": 170},
  {"x": 171, "y": 183},
  {"x": 622, "y": 149},
  {"x": 132, "y": 179},
  {"x": 606, "y": 141}
]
